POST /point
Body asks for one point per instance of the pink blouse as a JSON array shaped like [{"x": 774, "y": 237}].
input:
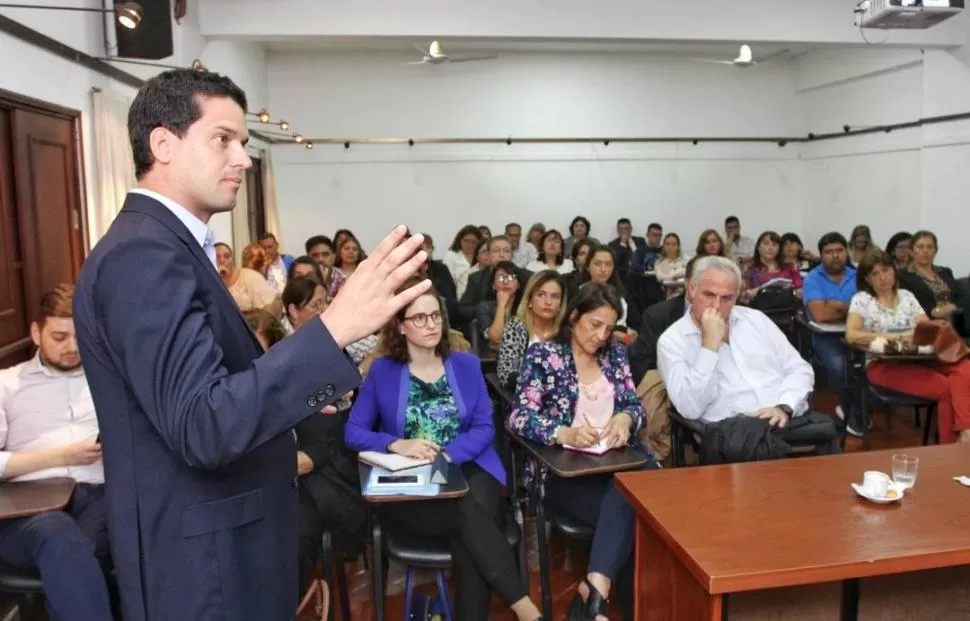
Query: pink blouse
[{"x": 595, "y": 404}]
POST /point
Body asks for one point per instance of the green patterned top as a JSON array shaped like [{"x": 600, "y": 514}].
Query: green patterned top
[{"x": 431, "y": 412}]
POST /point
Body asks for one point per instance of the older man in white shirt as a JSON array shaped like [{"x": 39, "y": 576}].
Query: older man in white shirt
[
  {"x": 48, "y": 428},
  {"x": 720, "y": 361}
]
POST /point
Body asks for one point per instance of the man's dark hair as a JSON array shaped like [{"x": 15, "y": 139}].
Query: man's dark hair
[
  {"x": 655, "y": 226},
  {"x": 623, "y": 221},
  {"x": 731, "y": 220},
  {"x": 590, "y": 296},
  {"x": 832, "y": 238},
  {"x": 316, "y": 240},
  {"x": 268, "y": 235},
  {"x": 868, "y": 263},
  {"x": 172, "y": 100}
]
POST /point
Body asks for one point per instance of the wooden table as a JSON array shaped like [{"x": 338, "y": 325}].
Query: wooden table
[
  {"x": 24, "y": 498},
  {"x": 703, "y": 533},
  {"x": 456, "y": 487}
]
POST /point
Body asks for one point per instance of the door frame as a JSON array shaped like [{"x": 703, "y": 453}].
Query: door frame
[{"x": 9, "y": 99}]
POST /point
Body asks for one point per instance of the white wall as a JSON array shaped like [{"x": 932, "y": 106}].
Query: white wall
[
  {"x": 905, "y": 180},
  {"x": 439, "y": 188}
]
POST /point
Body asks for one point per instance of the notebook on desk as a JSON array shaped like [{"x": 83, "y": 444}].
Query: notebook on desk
[
  {"x": 597, "y": 449},
  {"x": 390, "y": 461}
]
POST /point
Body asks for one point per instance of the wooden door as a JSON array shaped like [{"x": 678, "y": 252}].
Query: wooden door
[
  {"x": 254, "y": 199},
  {"x": 15, "y": 344},
  {"x": 48, "y": 198}
]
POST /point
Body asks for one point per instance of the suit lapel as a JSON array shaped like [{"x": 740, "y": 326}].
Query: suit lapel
[{"x": 148, "y": 206}]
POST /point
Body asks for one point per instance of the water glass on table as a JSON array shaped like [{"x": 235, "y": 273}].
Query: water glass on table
[{"x": 904, "y": 469}]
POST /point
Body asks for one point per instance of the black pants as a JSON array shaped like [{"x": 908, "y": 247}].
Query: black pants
[
  {"x": 311, "y": 533},
  {"x": 479, "y": 548}
]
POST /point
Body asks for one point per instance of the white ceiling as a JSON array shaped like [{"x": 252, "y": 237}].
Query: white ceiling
[{"x": 463, "y": 45}]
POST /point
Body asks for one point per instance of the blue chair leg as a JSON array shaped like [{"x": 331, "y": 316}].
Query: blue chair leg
[
  {"x": 444, "y": 594},
  {"x": 408, "y": 593}
]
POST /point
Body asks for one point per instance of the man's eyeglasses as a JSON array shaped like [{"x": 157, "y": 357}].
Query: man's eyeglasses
[{"x": 420, "y": 320}]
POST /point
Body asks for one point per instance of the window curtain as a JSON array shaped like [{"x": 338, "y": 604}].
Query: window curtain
[
  {"x": 115, "y": 170},
  {"x": 269, "y": 198}
]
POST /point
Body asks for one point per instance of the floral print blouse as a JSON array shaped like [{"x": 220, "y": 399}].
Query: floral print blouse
[
  {"x": 431, "y": 412},
  {"x": 548, "y": 390}
]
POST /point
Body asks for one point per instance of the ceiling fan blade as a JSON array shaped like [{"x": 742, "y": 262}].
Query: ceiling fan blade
[
  {"x": 711, "y": 61},
  {"x": 770, "y": 56},
  {"x": 417, "y": 62},
  {"x": 424, "y": 51},
  {"x": 465, "y": 59}
]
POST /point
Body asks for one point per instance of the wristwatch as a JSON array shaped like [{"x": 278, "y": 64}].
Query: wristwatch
[{"x": 786, "y": 409}]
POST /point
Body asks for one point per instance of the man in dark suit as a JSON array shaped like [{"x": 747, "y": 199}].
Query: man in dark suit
[
  {"x": 196, "y": 425},
  {"x": 626, "y": 244}
]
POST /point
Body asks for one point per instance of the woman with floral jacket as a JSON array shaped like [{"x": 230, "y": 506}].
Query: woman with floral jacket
[{"x": 577, "y": 391}]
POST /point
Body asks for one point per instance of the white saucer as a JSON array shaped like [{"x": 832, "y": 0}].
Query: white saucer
[
  {"x": 965, "y": 481},
  {"x": 900, "y": 490}
]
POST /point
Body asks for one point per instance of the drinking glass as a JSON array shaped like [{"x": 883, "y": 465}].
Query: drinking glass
[{"x": 904, "y": 469}]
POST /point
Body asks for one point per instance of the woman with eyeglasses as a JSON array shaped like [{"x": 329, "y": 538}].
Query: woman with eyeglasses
[
  {"x": 423, "y": 399},
  {"x": 493, "y": 314}
]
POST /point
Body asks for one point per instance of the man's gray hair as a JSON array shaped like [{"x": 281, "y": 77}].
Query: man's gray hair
[{"x": 706, "y": 264}]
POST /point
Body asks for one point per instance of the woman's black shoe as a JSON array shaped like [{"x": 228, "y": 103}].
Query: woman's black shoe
[{"x": 594, "y": 605}]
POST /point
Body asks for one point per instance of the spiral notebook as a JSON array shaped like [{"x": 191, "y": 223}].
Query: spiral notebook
[{"x": 597, "y": 449}]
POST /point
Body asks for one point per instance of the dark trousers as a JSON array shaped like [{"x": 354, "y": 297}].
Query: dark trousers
[
  {"x": 595, "y": 501},
  {"x": 830, "y": 353},
  {"x": 479, "y": 549},
  {"x": 70, "y": 549},
  {"x": 311, "y": 535}
]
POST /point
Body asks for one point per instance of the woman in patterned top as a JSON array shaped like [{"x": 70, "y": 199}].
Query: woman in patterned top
[
  {"x": 882, "y": 309},
  {"x": 576, "y": 390},
  {"x": 932, "y": 284},
  {"x": 424, "y": 399},
  {"x": 767, "y": 265},
  {"x": 538, "y": 318}
]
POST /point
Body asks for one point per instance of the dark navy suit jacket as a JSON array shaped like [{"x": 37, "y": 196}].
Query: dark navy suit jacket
[
  {"x": 383, "y": 398},
  {"x": 200, "y": 462}
]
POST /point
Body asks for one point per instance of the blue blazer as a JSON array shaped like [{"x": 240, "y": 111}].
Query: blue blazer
[
  {"x": 383, "y": 397},
  {"x": 199, "y": 456}
]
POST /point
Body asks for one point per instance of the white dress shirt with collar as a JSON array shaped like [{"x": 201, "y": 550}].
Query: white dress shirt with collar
[
  {"x": 757, "y": 369},
  {"x": 743, "y": 248},
  {"x": 523, "y": 255},
  {"x": 200, "y": 230},
  {"x": 42, "y": 409}
]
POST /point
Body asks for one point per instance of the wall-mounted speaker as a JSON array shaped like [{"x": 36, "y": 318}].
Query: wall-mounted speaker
[{"x": 152, "y": 39}]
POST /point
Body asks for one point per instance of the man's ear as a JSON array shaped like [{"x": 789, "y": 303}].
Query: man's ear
[
  {"x": 161, "y": 143},
  {"x": 35, "y": 333}
]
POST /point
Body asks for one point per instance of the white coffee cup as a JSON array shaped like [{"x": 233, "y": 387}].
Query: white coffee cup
[{"x": 875, "y": 484}]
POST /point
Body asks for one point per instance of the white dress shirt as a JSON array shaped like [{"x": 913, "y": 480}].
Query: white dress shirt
[
  {"x": 42, "y": 409},
  {"x": 523, "y": 255},
  {"x": 743, "y": 248},
  {"x": 200, "y": 230},
  {"x": 757, "y": 369}
]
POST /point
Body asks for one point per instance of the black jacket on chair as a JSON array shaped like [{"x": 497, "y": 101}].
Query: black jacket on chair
[
  {"x": 914, "y": 282},
  {"x": 742, "y": 438},
  {"x": 655, "y": 320}
]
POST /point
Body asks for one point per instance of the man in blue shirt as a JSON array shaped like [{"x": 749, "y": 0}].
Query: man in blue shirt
[{"x": 827, "y": 291}]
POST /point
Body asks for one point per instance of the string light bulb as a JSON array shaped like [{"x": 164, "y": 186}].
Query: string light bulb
[
  {"x": 284, "y": 125},
  {"x": 309, "y": 145},
  {"x": 264, "y": 116},
  {"x": 298, "y": 138}
]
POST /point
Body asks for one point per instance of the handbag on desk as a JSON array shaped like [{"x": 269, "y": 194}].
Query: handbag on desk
[
  {"x": 948, "y": 346},
  {"x": 775, "y": 298}
]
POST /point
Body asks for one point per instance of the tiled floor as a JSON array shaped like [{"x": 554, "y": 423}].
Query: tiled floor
[{"x": 569, "y": 558}]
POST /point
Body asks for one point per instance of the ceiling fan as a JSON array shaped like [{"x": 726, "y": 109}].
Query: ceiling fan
[
  {"x": 744, "y": 59},
  {"x": 434, "y": 55}
]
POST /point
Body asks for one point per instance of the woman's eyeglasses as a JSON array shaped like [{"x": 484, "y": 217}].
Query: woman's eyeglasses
[
  {"x": 504, "y": 278},
  {"x": 420, "y": 320}
]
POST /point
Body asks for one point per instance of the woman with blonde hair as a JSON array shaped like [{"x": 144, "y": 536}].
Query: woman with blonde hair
[{"x": 537, "y": 320}]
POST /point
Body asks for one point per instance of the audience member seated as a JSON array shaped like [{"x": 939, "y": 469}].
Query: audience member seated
[
  {"x": 581, "y": 254},
  {"x": 446, "y": 409},
  {"x": 483, "y": 261},
  {"x": 495, "y": 312},
  {"x": 348, "y": 258},
  {"x": 827, "y": 291},
  {"x": 577, "y": 391},
  {"x": 481, "y": 283},
  {"x": 794, "y": 253},
  {"x": 248, "y": 288},
  {"x": 304, "y": 267},
  {"x": 579, "y": 230},
  {"x": 321, "y": 249},
  {"x": 536, "y": 231},
  {"x": 671, "y": 264},
  {"x": 626, "y": 244},
  {"x": 48, "y": 428},
  {"x": 733, "y": 369},
  {"x": 766, "y": 266},
  {"x": 551, "y": 255},
  {"x": 600, "y": 268},
  {"x": 254, "y": 258},
  {"x": 276, "y": 264},
  {"x": 329, "y": 488},
  {"x": 523, "y": 252},
  {"x": 440, "y": 277},
  {"x": 932, "y": 284},
  {"x": 645, "y": 258},
  {"x": 860, "y": 242},
  {"x": 738, "y": 247},
  {"x": 900, "y": 248},
  {"x": 485, "y": 231},
  {"x": 881, "y": 310},
  {"x": 461, "y": 254},
  {"x": 710, "y": 244},
  {"x": 539, "y": 315}
]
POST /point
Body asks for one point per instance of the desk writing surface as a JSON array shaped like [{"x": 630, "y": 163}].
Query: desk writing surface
[
  {"x": 456, "y": 487},
  {"x": 797, "y": 521},
  {"x": 24, "y": 498},
  {"x": 565, "y": 463}
]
